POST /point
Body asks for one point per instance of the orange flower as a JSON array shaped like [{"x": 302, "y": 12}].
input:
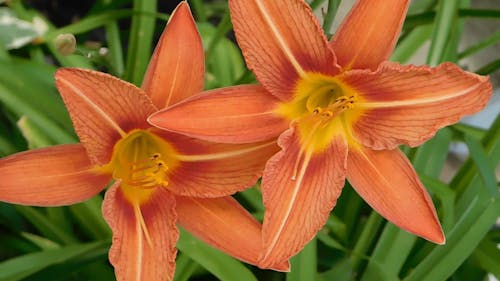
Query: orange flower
[
  {"x": 347, "y": 110},
  {"x": 160, "y": 178}
]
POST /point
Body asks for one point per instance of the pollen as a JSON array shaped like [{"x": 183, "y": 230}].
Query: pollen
[
  {"x": 322, "y": 107},
  {"x": 141, "y": 161}
]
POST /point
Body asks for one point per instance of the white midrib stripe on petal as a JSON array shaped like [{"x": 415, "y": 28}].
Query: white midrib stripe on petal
[
  {"x": 418, "y": 101},
  {"x": 291, "y": 203},
  {"x": 94, "y": 106},
  {"x": 221, "y": 155},
  {"x": 281, "y": 41}
]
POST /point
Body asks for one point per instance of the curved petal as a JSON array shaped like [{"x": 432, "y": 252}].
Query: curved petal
[
  {"x": 389, "y": 184},
  {"x": 144, "y": 235},
  {"x": 52, "y": 176},
  {"x": 408, "y": 104},
  {"x": 226, "y": 225},
  {"x": 239, "y": 114},
  {"x": 281, "y": 40},
  {"x": 213, "y": 170},
  {"x": 102, "y": 108},
  {"x": 298, "y": 203},
  {"x": 369, "y": 33},
  {"x": 177, "y": 67}
]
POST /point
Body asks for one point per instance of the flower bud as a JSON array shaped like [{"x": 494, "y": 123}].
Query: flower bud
[{"x": 65, "y": 44}]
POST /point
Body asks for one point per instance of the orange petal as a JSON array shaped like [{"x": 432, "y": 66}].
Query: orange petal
[
  {"x": 177, "y": 67},
  {"x": 144, "y": 236},
  {"x": 239, "y": 114},
  {"x": 281, "y": 40},
  {"x": 389, "y": 184},
  {"x": 298, "y": 204},
  {"x": 102, "y": 108},
  {"x": 408, "y": 104},
  {"x": 226, "y": 225},
  {"x": 369, "y": 33},
  {"x": 53, "y": 176},
  {"x": 212, "y": 170}
]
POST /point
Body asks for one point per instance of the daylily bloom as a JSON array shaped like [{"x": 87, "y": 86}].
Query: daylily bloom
[
  {"x": 160, "y": 178},
  {"x": 341, "y": 110}
]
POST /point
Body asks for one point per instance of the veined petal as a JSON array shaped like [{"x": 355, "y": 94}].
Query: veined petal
[
  {"x": 369, "y": 33},
  {"x": 103, "y": 108},
  {"x": 144, "y": 236},
  {"x": 212, "y": 170},
  {"x": 408, "y": 104},
  {"x": 225, "y": 225},
  {"x": 299, "y": 198},
  {"x": 389, "y": 184},
  {"x": 239, "y": 114},
  {"x": 53, "y": 176},
  {"x": 177, "y": 67},
  {"x": 281, "y": 40}
]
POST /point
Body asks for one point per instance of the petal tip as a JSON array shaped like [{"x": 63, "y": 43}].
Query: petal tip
[
  {"x": 438, "y": 238},
  {"x": 279, "y": 266}
]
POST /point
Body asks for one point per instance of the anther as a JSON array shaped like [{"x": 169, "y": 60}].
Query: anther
[{"x": 327, "y": 114}]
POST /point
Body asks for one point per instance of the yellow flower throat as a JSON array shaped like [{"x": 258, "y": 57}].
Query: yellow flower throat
[
  {"x": 323, "y": 107},
  {"x": 142, "y": 162}
]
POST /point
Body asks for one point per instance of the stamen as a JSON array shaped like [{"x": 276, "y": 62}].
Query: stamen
[{"x": 148, "y": 173}]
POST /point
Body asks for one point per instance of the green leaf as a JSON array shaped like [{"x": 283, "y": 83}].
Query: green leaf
[
  {"x": 23, "y": 266},
  {"x": 90, "y": 265},
  {"x": 184, "y": 267},
  {"x": 89, "y": 23},
  {"x": 389, "y": 255},
  {"x": 411, "y": 43},
  {"x": 463, "y": 239},
  {"x": 446, "y": 196},
  {"x": 485, "y": 43},
  {"x": 140, "y": 42},
  {"x": 219, "y": 264},
  {"x": 304, "y": 264},
  {"x": 486, "y": 169},
  {"x": 366, "y": 239},
  {"x": 225, "y": 62},
  {"x": 429, "y": 159},
  {"x": 316, "y": 4},
  {"x": 329, "y": 17},
  {"x": 489, "y": 68},
  {"x": 22, "y": 107},
  {"x": 341, "y": 271},
  {"x": 89, "y": 217},
  {"x": 199, "y": 10},
  {"x": 488, "y": 257},
  {"x": 46, "y": 226},
  {"x": 115, "y": 49},
  {"x": 443, "y": 26},
  {"x": 35, "y": 137},
  {"x": 41, "y": 242}
]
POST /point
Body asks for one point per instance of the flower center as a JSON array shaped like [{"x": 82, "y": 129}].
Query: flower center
[
  {"x": 141, "y": 161},
  {"x": 322, "y": 107}
]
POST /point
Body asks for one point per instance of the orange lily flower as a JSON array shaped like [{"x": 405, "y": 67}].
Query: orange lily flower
[
  {"x": 160, "y": 178},
  {"x": 341, "y": 110}
]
